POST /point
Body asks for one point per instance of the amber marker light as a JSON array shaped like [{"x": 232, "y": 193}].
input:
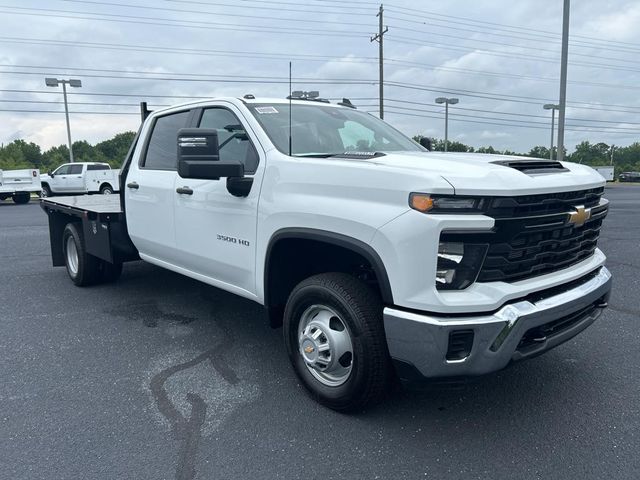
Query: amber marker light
[{"x": 420, "y": 202}]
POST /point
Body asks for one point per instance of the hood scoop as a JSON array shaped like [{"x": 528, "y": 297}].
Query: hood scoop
[{"x": 531, "y": 167}]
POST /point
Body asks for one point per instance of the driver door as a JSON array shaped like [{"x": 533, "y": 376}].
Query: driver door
[
  {"x": 215, "y": 231},
  {"x": 59, "y": 179}
]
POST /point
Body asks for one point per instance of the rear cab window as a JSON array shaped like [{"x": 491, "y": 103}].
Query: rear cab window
[{"x": 162, "y": 148}]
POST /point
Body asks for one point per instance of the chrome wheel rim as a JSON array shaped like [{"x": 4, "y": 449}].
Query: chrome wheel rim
[
  {"x": 107, "y": 191},
  {"x": 324, "y": 342},
  {"x": 72, "y": 255}
]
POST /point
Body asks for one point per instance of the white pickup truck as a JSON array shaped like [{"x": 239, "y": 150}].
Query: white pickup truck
[
  {"x": 80, "y": 178},
  {"x": 19, "y": 184},
  {"x": 376, "y": 255}
]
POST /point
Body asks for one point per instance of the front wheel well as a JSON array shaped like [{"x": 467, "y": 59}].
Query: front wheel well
[{"x": 291, "y": 259}]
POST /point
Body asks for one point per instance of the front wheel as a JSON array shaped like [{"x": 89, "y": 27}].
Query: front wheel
[
  {"x": 46, "y": 191},
  {"x": 334, "y": 334}
]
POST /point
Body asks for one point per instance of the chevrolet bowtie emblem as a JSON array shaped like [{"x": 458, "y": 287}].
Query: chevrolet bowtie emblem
[
  {"x": 308, "y": 349},
  {"x": 580, "y": 216}
]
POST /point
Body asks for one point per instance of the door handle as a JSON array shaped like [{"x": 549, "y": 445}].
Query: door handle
[
  {"x": 184, "y": 191},
  {"x": 133, "y": 185},
  {"x": 79, "y": 177}
]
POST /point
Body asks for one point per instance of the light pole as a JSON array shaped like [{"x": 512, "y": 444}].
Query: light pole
[
  {"x": 563, "y": 78},
  {"x": 447, "y": 102},
  {"x": 54, "y": 82},
  {"x": 553, "y": 107}
]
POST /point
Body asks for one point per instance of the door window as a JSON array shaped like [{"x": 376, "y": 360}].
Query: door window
[
  {"x": 75, "y": 170},
  {"x": 63, "y": 170},
  {"x": 162, "y": 151},
  {"x": 233, "y": 140}
]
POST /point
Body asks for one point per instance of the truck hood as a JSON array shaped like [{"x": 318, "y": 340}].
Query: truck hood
[{"x": 486, "y": 174}]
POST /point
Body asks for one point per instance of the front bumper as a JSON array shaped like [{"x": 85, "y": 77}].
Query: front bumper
[{"x": 419, "y": 343}]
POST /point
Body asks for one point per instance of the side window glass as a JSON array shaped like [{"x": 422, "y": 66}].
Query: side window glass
[
  {"x": 162, "y": 151},
  {"x": 232, "y": 138},
  {"x": 63, "y": 170},
  {"x": 75, "y": 170},
  {"x": 97, "y": 167}
]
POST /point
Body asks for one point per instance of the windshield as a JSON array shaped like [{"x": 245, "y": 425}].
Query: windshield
[{"x": 324, "y": 130}]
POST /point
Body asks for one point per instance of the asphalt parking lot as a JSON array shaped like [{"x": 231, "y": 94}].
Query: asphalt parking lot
[{"x": 159, "y": 376}]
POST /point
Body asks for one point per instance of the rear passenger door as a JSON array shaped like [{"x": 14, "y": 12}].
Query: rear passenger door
[
  {"x": 150, "y": 191},
  {"x": 75, "y": 180}
]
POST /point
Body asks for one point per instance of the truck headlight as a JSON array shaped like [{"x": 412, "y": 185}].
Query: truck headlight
[
  {"x": 426, "y": 203},
  {"x": 458, "y": 264}
]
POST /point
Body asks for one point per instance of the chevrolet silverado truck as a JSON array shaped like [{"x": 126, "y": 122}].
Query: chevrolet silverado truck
[
  {"x": 19, "y": 184},
  {"x": 81, "y": 178},
  {"x": 379, "y": 258}
]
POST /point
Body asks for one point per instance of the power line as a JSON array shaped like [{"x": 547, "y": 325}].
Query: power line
[
  {"x": 217, "y": 14},
  {"x": 516, "y": 114},
  {"x": 508, "y": 124},
  {"x": 178, "y": 23},
  {"x": 335, "y": 81},
  {"x": 261, "y": 2},
  {"x": 479, "y": 23},
  {"x": 62, "y": 111},
  {"x": 298, "y": 57},
  {"x": 495, "y": 53},
  {"x": 510, "y": 45}
]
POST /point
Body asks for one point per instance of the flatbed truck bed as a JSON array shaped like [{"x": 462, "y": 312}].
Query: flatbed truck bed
[{"x": 102, "y": 221}]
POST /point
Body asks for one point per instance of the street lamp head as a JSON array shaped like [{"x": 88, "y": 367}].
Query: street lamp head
[
  {"x": 51, "y": 82},
  {"x": 551, "y": 106},
  {"x": 75, "y": 83},
  {"x": 453, "y": 101},
  {"x": 441, "y": 100}
]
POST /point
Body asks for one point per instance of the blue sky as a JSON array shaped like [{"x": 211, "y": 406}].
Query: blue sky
[{"x": 500, "y": 58}]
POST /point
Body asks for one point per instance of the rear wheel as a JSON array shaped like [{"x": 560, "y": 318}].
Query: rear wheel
[
  {"x": 84, "y": 269},
  {"x": 21, "y": 198},
  {"x": 335, "y": 338},
  {"x": 106, "y": 189}
]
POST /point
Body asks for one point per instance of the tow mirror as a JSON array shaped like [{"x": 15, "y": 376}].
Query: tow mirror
[
  {"x": 199, "y": 156},
  {"x": 426, "y": 143}
]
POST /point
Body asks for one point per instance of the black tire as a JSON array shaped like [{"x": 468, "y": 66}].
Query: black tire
[
  {"x": 110, "y": 272},
  {"x": 106, "y": 189},
  {"x": 21, "y": 198},
  {"x": 46, "y": 191},
  {"x": 85, "y": 270},
  {"x": 360, "y": 309}
]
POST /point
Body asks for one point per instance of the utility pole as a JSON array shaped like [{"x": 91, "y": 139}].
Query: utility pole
[
  {"x": 379, "y": 37},
  {"x": 563, "y": 78}
]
